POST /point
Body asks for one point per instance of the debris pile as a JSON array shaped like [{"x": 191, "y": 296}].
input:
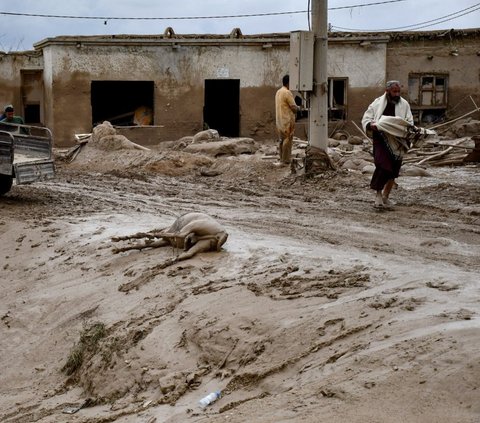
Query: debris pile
[
  {"x": 446, "y": 152},
  {"x": 457, "y": 143},
  {"x": 104, "y": 137},
  {"x": 345, "y": 151}
]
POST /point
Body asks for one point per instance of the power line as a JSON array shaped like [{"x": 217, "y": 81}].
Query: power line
[
  {"x": 111, "y": 18},
  {"x": 421, "y": 25},
  {"x": 449, "y": 19},
  {"x": 107, "y": 18},
  {"x": 366, "y": 4}
]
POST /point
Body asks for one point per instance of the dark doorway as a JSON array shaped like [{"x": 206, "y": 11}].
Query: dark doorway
[
  {"x": 118, "y": 101},
  {"x": 222, "y": 106},
  {"x": 32, "y": 114},
  {"x": 32, "y": 96}
]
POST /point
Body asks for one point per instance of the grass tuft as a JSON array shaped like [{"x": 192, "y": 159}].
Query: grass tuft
[{"x": 89, "y": 338}]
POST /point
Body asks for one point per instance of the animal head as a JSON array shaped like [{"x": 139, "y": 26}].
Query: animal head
[{"x": 221, "y": 239}]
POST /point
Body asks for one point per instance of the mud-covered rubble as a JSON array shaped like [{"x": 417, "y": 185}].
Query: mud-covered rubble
[
  {"x": 346, "y": 151},
  {"x": 457, "y": 143}
]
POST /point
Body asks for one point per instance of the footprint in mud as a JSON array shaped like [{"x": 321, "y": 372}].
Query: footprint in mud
[
  {"x": 251, "y": 355},
  {"x": 383, "y": 303},
  {"x": 410, "y": 304},
  {"x": 99, "y": 231},
  {"x": 329, "y": 392},
  {"x": 182, "y": 271},
  {"x": 436, "y": 242},
  {"x": 330, "y": 326},
  {"x": 442, "y": 285},
  {"x": 462, "y": 314}
]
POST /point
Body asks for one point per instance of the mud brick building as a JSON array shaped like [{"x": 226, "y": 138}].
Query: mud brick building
[{"x": 183, "y": 83}]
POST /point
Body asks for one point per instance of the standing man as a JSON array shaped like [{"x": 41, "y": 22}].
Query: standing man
[
  {"x": 285, "y": 112},
  {"x": 387, "y": 163}
]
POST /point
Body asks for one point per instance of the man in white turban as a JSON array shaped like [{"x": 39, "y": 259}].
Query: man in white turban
[{"x": 387, "y": 153}]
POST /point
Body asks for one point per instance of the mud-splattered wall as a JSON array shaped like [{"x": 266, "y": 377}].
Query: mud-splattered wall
[
  {"x": 178, "y": 74},
  {"x": 177, "y": 68},
  {"x": 11, "y": 67},
  {"x": 179, "y": 71},
  {"x": 363, "y": 63},
  {"x": 453, "y": 54}
]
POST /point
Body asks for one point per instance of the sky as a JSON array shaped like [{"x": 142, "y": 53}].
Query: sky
[{"x": 19, "y": 32}]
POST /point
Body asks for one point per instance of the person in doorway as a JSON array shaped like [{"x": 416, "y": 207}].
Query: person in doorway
[
  {"x": 387, "y": 163},
  {"x": 11, "y": 118},
  {"x": 285, "y": 112}
]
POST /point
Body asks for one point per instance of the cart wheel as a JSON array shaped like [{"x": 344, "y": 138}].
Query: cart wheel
[{"x": 5, "y": 183}]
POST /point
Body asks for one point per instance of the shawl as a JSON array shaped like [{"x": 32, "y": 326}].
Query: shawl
[{"x": 400, "y": 135}]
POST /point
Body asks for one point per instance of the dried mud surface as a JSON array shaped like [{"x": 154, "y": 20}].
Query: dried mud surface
[{"x": 318, "y": 307}]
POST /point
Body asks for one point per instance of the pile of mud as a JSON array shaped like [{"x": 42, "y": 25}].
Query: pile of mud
[{"x": 203, "y": 154}]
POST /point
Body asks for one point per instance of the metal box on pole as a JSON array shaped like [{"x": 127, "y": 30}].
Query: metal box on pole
[{"x": 301, "y": 60}]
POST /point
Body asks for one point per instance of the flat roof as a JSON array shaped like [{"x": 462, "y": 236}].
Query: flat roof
[{"x": 237, "y": 38}]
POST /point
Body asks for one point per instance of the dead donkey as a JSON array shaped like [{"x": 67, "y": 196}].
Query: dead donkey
[{"x": 192, "y": 232}]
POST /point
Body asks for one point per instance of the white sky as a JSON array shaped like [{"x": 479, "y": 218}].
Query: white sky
[{"x": 21, "y": 32}]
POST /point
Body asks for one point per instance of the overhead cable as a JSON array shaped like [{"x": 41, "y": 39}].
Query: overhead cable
[
  {"x": 108, "y": 18},
  {"x": 420, "y": 25}
]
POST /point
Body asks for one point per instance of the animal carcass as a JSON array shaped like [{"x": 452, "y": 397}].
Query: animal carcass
[{"x": 192, "y": 232}]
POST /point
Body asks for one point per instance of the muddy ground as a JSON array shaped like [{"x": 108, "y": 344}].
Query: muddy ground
[{"x": 318, "y": 307}]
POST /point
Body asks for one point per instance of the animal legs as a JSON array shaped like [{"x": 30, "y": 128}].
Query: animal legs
[
  {"x": 141, "y": 246},
  {"x": 201, "y": 246}
]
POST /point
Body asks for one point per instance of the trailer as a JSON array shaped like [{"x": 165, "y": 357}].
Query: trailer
[{"x": 26, "y": 155}]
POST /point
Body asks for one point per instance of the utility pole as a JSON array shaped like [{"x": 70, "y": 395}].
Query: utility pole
[{"x": 317, "y": 158}]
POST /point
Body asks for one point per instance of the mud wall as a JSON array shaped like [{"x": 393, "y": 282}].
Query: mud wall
[
  {"x": 11, "y": 66},
  {"x": 459, "y": 57},
  {"x": 179, "y": 70},
  {"x": 365, "y": 67},
  {"x": 178, "y": 75}
]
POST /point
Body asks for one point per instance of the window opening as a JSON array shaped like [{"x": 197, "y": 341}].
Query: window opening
[
  {"x": 428, "y": 96},
  {"x": 122, "y": 103},
  {"x": 337, "y": 98}
]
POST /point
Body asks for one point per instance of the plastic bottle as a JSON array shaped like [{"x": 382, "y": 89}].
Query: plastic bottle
[{"x": 213, "y": 396}]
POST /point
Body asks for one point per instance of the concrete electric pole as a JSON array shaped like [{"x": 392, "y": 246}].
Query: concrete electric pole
[
  {"x": 316, "y": 155},
  {"x": 318, "y": 97}
]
